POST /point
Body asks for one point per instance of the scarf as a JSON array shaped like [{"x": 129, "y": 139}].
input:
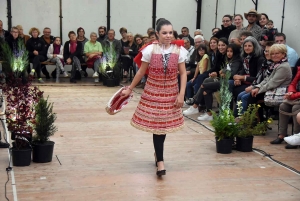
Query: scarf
[
  {"x": 264, "y": 72},
  {"x": 246, "y": 64},
  {"x": 56, "y": 49},
  {"x": 275, "y": 65},
  {"x": 73, "y": 45}
]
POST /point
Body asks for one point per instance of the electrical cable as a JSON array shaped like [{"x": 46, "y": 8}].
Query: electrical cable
[{"x": 265, "y": 154}]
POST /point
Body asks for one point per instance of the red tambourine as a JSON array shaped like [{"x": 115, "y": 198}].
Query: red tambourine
[{"x": 117, "y": 102}]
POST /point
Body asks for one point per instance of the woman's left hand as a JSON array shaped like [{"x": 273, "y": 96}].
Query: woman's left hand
[
  {"x": 179, "y": 101},
  {"x": 254, "y": 92}
]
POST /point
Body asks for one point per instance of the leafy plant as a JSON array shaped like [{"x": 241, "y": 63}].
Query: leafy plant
[
  {"x": 44, "y": 121},
  {"x": 17, "y": 60},
  {"x": 109, "y": 67},
  {"x": 247, "y": 122},
  {"x": 224, "y": 122},
  {"x": 21, "y": 97}
]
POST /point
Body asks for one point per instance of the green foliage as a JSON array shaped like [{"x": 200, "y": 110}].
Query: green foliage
[
  {"x": 45, "y": 118},
  {"x": 109, "y": 63},
  {"x": 224, "y": 123},
  {"x": 18, "y": 60},
  {"x": 248, "y": 122}
]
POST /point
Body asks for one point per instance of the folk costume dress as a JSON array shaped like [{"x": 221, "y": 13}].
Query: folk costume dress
[{"x": 156, "y": 112}]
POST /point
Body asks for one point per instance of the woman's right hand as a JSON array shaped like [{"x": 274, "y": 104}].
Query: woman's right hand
[{"x": 192, "y": 80}]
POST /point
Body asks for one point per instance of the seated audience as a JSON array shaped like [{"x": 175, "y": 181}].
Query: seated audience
[
  {"x": 102, "y": 34},
  {"x": 264, "y": 71},
  {"x": 187, "y": 45},
  {"x": 234, "y": 35},
  {"x": 93, "y": 52},
  {"x": 290, "y": 108},
  {"x": 271, "y": 31},
  {"x": 123, "y": 40},
  {"x": 36, "y": 51},
  {"x": 152, "y": 37},
  {"x": 281, "y": 76},
  {"x": 215, "y": 30},
  {"x": 55, "y": 55},
  {"x": 252, "y": 62},
  {"x": 3, "y": 33},
  {"x": 226, "y": 27},
  {"x": 12, "y": 40},
  {"x": 82, "y": 39},
  {"x": 72, "y": 55},
  {"x": 48, "y": 40},
  {"x": 198, "y": 32},
  {"x": 252, "y": 16},
  {"x": 22, "y": 35},
  {"x": 243, "y": 35},
  {"x": 186, "y": 33},
  {"x": 146, "y": 39},
  {"x": 128, "y": 52}
]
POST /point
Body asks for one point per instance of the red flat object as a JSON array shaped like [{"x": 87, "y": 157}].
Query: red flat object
[{"x": 117, "y": 102}]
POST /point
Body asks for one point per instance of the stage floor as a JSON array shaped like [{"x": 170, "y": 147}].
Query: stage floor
[{"x": 102, "y": 157}]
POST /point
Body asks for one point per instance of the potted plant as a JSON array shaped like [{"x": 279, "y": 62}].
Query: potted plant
[
  {"x": 109, "y": 68},
  {"x": 249, "y": 126},
  {"x": 44, "y": 128},
  {"x": 21, "y": 98},
  {"x": 224, "y": 122}
]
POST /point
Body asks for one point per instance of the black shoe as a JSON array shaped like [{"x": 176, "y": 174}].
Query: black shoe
[
  {"x": 277, "y": 141},
  {"x": 47, "y": 76},
  {"x": 288, "y": 146},
  {"x": 85, "y": 74},
  {"x": 4, "y": 145},
  {"x": 72, "y": 80},
  {"x": 160, "y": 172}
]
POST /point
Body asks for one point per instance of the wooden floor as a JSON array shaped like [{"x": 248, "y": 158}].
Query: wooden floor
[{"x": 102, "y": 157}]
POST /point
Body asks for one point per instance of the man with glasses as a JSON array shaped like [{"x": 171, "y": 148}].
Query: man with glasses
[
  {"x": 12, "y": 40},
  {"x": 252, "y": 16}
]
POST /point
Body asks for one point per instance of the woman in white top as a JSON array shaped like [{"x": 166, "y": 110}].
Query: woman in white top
[{"x": 55, "y": 55}]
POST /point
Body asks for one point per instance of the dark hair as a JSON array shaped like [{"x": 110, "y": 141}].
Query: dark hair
[
  {"x": 185, "y": 28},
  {"x": 224, "y": 40},
  {"x": 239, "y": 16},
  {"x": 138, "y": 36},
  {"x": 123, "y": 29},
  {"x": 71, "y": 32},
  {"x": 280, "y": 34},
  {"x": 212, "y": 38},
  {"x": 201, "y": 47},
  {"x": 102, "y": 27},
  {"x": 161, "y": 22},
  {"x": 265, "y": 15},
  {"x": 270, "y": 21},
  {"x": 270, "y": 43},
  {"x": 236, "y": 50},
  {"x": 180, "y": 36},
  {"x": 151, "y": 33},
  {"x": 245, "y": 33},
  {"x": 80, "y": 29},
  {"x": 175, "y": 34},
  {"x": 215, "y": 28},
  {"x": 229, "y": 16}
]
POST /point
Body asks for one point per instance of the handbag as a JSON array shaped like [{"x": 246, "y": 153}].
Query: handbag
[
  {"x": 275, "y": 97},
  {"x": 117, "y": 102}
]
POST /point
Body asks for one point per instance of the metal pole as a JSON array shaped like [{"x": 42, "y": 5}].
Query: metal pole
[
  {"x": 282, "y": 16},
  {"x": 60, "y": 19},
  {"x": 199, "y": 11},
  {"x": 108, "y": 15},
  {"x": 9, "y": 14},
  {"x": 154, "y": 13},
  {"x": 216, "y": 13},
  {"x": 256, "y": 4},
  {"x": 234, "y": 7}
]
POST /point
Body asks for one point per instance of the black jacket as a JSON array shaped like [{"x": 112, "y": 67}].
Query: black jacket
[
  {"x": 100, "y": 39},
  {"x": 46, "y": 44},
  {"x": 77, "y": 53},
  {"x": 236, "y": 65},
  {"x": 255, "y": 64},
  {"x": 36, "y": 44},
  {"x": 116, "y": 46},
  {"x": 133, "y": 50},
  {"x": 12, "y": 43},
  {"x": 225, "y": 32},
  {"x": 191, "y": 40}
]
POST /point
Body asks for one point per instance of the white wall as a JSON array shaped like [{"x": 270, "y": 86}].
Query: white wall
[
  {"x": 3, "y": 13},
  {"x": 179, "y": 13},
  {"x": 134, "y": 15}
]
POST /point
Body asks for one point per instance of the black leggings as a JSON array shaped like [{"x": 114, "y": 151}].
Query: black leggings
[
  {"x": 36, "y": 64},
  {"x": 158, "y": 141}
]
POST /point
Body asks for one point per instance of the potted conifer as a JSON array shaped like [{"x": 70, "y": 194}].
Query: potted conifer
[
  {"x": 44, "y": 128},
  {"x": 248, "y": 126},
  {"x": 224, "y": 122}
]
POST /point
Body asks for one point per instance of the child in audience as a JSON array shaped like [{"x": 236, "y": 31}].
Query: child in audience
[
  {"x": 55, "y": 55},
  {"x": 271, "y": 31}
]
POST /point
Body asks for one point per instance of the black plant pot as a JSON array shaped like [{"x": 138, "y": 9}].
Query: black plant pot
[
  {"x": 42, "y": 153},
  {"x": 27, "y": 135},
  {"x": 244, "y": 144},
  {"x": 110, "y": 82},
  {"x": 224, "y": 146},
  {"x": 21, "y": 157}
]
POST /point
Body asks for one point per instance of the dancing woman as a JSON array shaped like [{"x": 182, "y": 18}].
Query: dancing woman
[{"x": 159, "y": 110}]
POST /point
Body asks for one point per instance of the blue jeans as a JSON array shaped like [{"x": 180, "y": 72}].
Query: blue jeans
[
  {"x": 231, "y": 85},
  {"x": 193, "y": 87},
  {"x": 243, "y": 96}
]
